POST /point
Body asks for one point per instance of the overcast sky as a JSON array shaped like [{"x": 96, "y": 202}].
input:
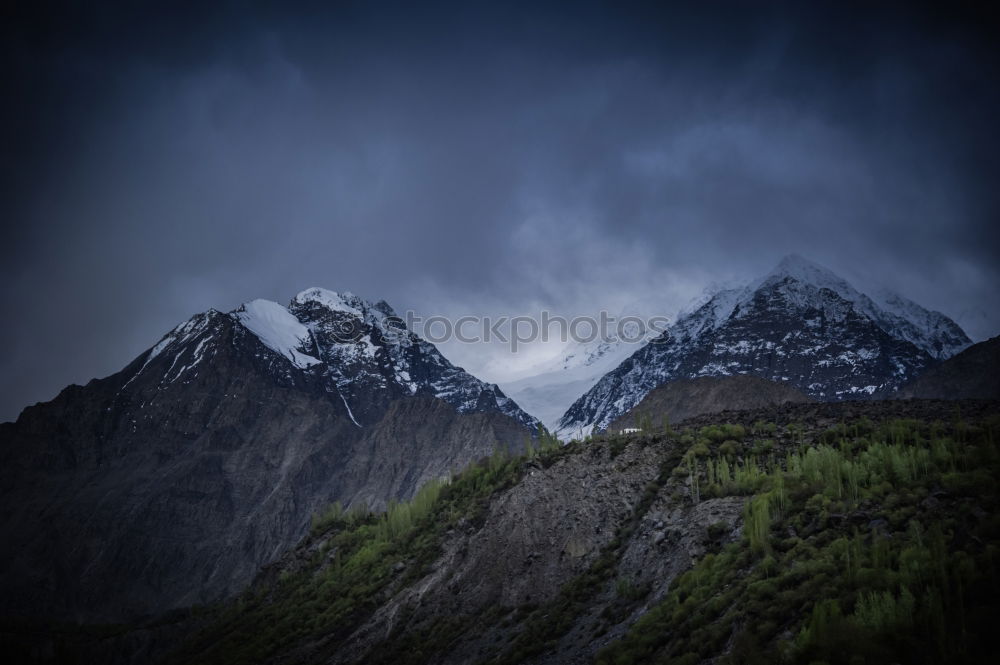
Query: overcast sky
[{"x": 473, "y": 158}]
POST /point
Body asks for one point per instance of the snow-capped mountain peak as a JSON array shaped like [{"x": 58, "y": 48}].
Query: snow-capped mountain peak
[
  {"x": 800, "y": 323},
  {"x": 930, "y": 331},
  {"x": 359, "y": 353},
  {"x": 800, "y": 280},
  {"x": 323, "y": 303},
  {"x": 365, "y": 353},
  {"x": 804, "y": 270},
  {"x": 345, "y": 302}
]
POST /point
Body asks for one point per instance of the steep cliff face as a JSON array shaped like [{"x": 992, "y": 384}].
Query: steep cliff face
[
  {"x": 171, "y": 482},
  {"x": 686, "y": 398},
  {"x": 417, "y": 440},
  {"x": 800, "y": 324}
]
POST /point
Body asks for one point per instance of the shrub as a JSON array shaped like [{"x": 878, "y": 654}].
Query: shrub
[
  {"x": 763, "y": 447},
  {"x": 728, "y": 448}
]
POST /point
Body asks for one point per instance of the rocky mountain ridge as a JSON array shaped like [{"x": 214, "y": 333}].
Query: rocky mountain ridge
[
  {"x": 361, "y": 351},
  {"x": 171, "y": 482}
]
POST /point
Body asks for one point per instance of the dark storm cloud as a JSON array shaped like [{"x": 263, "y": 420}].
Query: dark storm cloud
[{"x": 483, "y": 158}]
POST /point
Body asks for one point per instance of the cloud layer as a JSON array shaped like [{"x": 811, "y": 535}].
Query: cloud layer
[{"x": 458, "y": 159}]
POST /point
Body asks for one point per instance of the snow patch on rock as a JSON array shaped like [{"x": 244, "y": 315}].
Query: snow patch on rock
[{"x": 277, "y": 329}]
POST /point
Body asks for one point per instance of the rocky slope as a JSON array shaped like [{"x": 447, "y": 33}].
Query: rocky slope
[
  {"x": 171, "y": 482},
  {"x": 685, "y": 398},
  {"x": 728, "y": 540},
  {"x": 973, "y": 373},
  {"x": 800, "y": 324}
]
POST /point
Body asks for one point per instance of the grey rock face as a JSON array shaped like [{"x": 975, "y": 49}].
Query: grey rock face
[
  {"x": 171, "y": 482},
  {"x": 800, "y": 325},
  {"x": 536, "y": 537}
]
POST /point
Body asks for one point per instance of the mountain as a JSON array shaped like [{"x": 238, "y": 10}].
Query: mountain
[
  {"x": 172, "y": 481},
  {"x": 973, "y": 373},
  {"x": 686, "y": 398},
  {"x": 875, "y": 545},
  {"x": 800, "y": 324},
  {"x": 366, "y": 354}
]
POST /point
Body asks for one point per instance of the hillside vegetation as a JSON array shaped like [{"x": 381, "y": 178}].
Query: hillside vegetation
[{"x": 811, "y": 533}]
